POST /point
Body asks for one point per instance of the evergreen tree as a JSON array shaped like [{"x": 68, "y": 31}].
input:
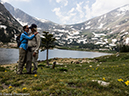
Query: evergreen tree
[{"x": 47, "y": 42}]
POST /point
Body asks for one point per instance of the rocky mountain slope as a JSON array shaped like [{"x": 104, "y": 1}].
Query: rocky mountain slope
[
  {"x": 8, "y": 25},
  {"x": 116, "y": 21},
  {"x": 108, "y": 29}
]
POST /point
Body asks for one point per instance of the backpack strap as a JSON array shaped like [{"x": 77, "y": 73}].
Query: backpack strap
[{"x": 22, "y": 39}]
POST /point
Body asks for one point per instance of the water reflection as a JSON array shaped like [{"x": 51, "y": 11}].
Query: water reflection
[{"x": 9, "y": 56}]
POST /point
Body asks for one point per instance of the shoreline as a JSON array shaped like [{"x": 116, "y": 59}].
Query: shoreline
[{"x": 68, "y": 49}]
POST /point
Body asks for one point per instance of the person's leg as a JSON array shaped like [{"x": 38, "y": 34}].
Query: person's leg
[
  {"x": 22, "y": 55},
  {"x": 35, "y": 62},
  {"x": 29, "y": 62}
]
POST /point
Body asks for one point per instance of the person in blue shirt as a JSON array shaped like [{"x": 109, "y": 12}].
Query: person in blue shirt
[{"x": 23, "y": 48}]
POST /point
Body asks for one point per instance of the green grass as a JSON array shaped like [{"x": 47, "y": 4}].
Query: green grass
[{"x": 73, "y": 79}]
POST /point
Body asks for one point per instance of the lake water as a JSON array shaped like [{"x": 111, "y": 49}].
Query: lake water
[{"x": 9, "y": 56}]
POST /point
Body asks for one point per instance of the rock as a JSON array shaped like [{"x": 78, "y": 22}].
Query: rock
[
  {"x": 77, "y": 62},
  {"x": 103, "y": 83}
]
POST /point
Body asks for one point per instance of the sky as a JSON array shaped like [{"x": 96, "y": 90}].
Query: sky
[{"x": 67, "y": 11}]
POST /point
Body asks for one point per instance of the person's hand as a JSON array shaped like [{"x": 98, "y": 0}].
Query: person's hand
[
  {"x": 36, "y": 33},
  {"x": 34, "y": 54}
]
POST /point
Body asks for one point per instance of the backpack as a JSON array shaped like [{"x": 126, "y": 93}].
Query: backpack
[{"x": 18, "y": 40}]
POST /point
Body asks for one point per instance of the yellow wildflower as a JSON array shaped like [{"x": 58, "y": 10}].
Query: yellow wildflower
[
  {"x": 10, "y": 87},
  {"x": 24, "y": 88},
  {"x": 120, "y": 80},
  {"x": 35, "y": 75},
  {"x": 104, "y": 79},
  {"x": 5, "y": 71},
  {"x": 127, "y": 83}
]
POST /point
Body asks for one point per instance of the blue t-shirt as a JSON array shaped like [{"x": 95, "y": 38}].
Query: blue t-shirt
[{"x": 24, "y": 43}]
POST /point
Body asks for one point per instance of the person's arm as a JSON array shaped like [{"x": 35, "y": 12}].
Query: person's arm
[
  {"x": 38, "y": 39},
  {"x": 29, "y": 38}
]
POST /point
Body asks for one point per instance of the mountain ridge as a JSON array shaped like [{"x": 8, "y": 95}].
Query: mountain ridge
[{"x": 103, "y": 30}]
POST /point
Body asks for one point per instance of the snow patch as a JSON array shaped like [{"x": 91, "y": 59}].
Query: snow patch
[
  {"x": 3, "y": 26},
  {"x": 101, "y": 26},
  {"x": 100, "y": 19},
  {"x": 20, "y": 21},
  {"x": 1, "y": 13},
  {"x": 2, "y": 2},
  {"x": 88, "y": 27},
  {"x": 88, "y": 23},
  {"x": 114, "y": 41},
  {"x": 117, "y": 25},
  {"x": 105, "y": 16},
  {"x": 123, "y": 9},
  {"x": 127, "y": 41},
  {"x": 61, "y": 30},
  {"x": 82, "y": 28},
  {"x": 15, "y": 9},
  {"x": 123, "y": 30},
  {"x": 98, "y": 35},
  {"x": 42, "y": 20}
]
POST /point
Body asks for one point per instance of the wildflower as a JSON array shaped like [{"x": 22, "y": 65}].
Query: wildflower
[
  {"x": 35, "y": 75},
  {"x": 104, "y": 79},
  {"x": 97, "y": 65},
  {"x": 5, "y": 71},
  {"x": 120, "y": 80},
  {"x": 127, "y": 83},
  {"x": 10, "y": 87},
  {"x": 90, "y": 65},
  {"x": 97, "y": 68},
  {"x": 23, "y": 89}
]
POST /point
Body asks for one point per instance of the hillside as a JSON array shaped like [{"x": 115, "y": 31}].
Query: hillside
[
  {"x": 113, "y": 24},
  {"x": 100, "y": 76},
  {"x": 8, "y": 25},
  {"x": 105, "y": 31}
]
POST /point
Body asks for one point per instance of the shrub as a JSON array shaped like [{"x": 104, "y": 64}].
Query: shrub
[
  {"x": 2, "y": 69},
  {"x": 123, "y": 48},
  {"x": 41, "y": 65},
  {"x": 63, "y": 69}
]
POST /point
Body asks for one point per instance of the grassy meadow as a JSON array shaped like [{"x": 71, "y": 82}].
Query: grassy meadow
[{"x": 102, "y": 76}]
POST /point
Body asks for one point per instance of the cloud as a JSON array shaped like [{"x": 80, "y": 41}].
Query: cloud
[
  {"x": 64, "y": 17},
  {"x": 88, "y": 14},
  {"x": 79, "y": 9},
  {"x": 103, "y": 6},
  {"x": 85, "y": 10},
  {"x": 65, "y": 2}
]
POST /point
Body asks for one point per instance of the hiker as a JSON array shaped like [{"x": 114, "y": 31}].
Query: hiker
[
  {"x": 23, "y": 47},
  {"x": 33, "y": 50}
]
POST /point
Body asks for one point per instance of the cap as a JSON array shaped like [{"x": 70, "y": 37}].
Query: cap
[{"x": 33, "y": 26}]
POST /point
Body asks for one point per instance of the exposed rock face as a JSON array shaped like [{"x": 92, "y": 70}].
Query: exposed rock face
[{"x": 8, "y": 25}]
